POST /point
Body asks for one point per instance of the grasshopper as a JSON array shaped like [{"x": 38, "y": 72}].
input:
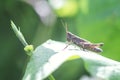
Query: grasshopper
[{"x": 83, "y": 43}]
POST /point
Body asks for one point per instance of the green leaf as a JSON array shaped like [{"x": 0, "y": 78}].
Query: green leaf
[
  {"x": 101, "y": 67},
  {"x": 50, "y": 56}
]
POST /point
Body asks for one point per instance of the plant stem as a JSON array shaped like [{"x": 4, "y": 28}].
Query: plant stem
[
  {"x": 28, "y": 48},
  {"x": 51, "y": 77},
  {"x": 18, "y": 34}
]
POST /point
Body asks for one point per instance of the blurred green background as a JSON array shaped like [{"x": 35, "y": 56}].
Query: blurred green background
[{"x": 39, "y": 20}]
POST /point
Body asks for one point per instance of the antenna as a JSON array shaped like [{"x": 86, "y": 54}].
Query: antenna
[{"x": 65, "y": 26}]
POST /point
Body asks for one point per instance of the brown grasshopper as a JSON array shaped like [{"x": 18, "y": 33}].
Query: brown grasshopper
[{"x": 84, "y": 44}]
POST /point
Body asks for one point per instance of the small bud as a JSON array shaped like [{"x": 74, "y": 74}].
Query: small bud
[{"x": 29, "y": 49}]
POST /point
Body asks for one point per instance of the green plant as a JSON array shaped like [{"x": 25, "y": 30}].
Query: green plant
[{"x": 49, "y": 56}]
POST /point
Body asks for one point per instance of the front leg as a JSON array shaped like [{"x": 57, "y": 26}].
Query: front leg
[{"x": 68, "y": 43}]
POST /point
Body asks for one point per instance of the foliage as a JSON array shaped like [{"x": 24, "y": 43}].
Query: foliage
[
  {"x": 94, "y": 20},
  {"x": 46, "y": 59},
  {"x": 50, "y": 55}
]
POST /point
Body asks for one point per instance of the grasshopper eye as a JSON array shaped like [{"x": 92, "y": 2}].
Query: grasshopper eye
[{"x": 69, "y": 37}]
